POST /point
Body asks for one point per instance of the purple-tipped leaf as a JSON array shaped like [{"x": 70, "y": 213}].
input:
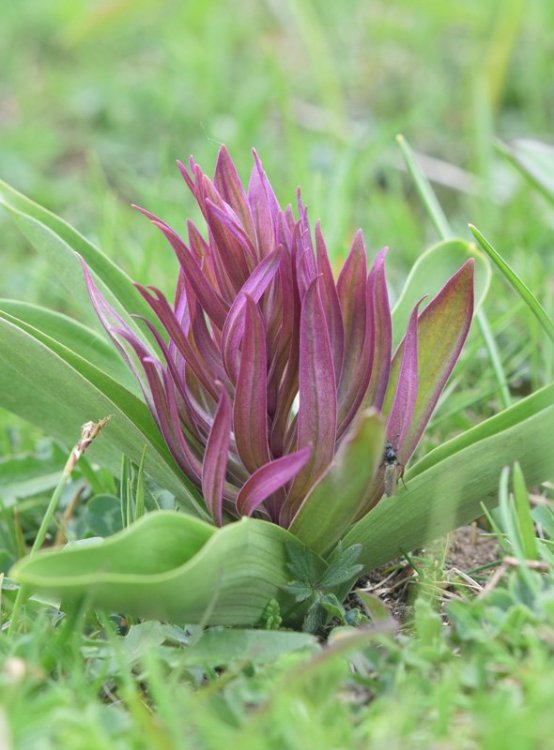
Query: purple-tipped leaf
[
  {"x": 233, "y": 245},
  {"x": 332, "y": 504},
  {"x": 405, "y": 394},
  {"x": 250, "y": 420},
  {"x": 270, "y": 478},
  {"x": 331, "y": 304},
  {"x": 207, "y": 296},
  {"x": 381, "y": 332},
  {"x": 161, "y": 307},
  {"x": 442, "y": 330},
  {"x": 264, "y": 207},
  {"x": 216, "y": 457},
  {"x": 233, "y": 329},
  {"x": 351, "y": 287},
  {"x": 227, "y": 181},
  {"x": 317, "y": 412}
]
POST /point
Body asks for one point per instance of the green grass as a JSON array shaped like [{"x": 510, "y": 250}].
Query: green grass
[{"x": 97, "y": 101}]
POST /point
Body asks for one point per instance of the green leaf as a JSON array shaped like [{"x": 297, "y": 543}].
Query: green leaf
[
  {"x": 103, "y": 515},
  {"x": 375, "y": 607},
  {"x": 304, "y": 565},
  {"x": 56, "y": 389},
  {"x": 518, "y": 284},
  {"x": 27, "y": 475},
  {"x": 536, "y": 403},
  {"x": 299, "y": 591},
  {"x": 59, "y": 242},
  {"x": 139, "y": 489},
  {"x": 446, "y": 488},
  {"x": 334, "y": 502},
  {"x": 315, "y": 618},
  {"x": 523, "y": 517},
  {"x": 544, "y": 515},
  {"x": 343, "y": 565},
  {"x": 219, "y": 647},
  {"x": 332, "y": 606},
  {"x": 75, "y": 336},
  {"x": 172, "y": 566},
  {"x": 430, "y": 273}
]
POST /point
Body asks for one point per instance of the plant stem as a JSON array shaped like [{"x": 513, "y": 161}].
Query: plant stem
[
  {"x": 37, "y": 544},
  {"x": 89, "y": 432}
]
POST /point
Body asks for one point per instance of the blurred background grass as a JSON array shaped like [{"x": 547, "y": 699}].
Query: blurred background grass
[{"x": 99, "y": 98}]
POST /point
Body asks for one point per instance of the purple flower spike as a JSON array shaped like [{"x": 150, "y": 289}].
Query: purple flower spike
[{"x": 265, "y": 364}]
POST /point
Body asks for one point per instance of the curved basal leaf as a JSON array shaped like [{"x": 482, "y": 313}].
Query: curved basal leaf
[
  {"x": 59, "y": 242},
  {"x": 56, "y": 389},
  {"x": 430, "y": 273},
  {"x": 450, "y": 492},
  {"x": 330, "y": 507},
  {"x": 170, "y": 566},
  {"x": 75, "y": 336}
]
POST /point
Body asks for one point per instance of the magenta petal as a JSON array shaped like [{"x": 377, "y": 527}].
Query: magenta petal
[
  {"x": 209, "y": 299},
  {"x": 382, "y": 332},
  {"x": 351, "y": 287},
  {"x": 264, "y": 207},
  {"x": 400, "y": 416},
  {"x": 317, "y": 412},
  {"x": 216, "y": 457},
  {"x": 113, "y": 323},
  {"x": 233, "y": 245},
  {"x": 227, "y": 181},
  {"x": 192, "y": 417},
  {"x": 331, "y": 303},
  {"x": 163, "y": 310},
  {"x": 250, "y": 421},
  {"x": 233, "y": 330},
  {"x": 269, "y": 478}
]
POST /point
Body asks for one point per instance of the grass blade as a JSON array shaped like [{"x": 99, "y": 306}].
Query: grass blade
[{"x": 520, "y": 287}]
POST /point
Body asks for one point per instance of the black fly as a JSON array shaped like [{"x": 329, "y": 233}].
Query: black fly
[{"x": 394, "y": 470}]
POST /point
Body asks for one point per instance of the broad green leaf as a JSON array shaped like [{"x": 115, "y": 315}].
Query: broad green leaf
[
  {"x": 59, "y": 241},
  {"x": 334, "y": 502},
  {"x": 535, "y": 160},
  {"x": 75, "y": 336},
  {"x": 518, "y": 284},
  {"x": 430, "y": 273},
  {"x": 52, "y": 387},
  {"x": 172, "y": 566},
  {"x": 448, "y": 490}
]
